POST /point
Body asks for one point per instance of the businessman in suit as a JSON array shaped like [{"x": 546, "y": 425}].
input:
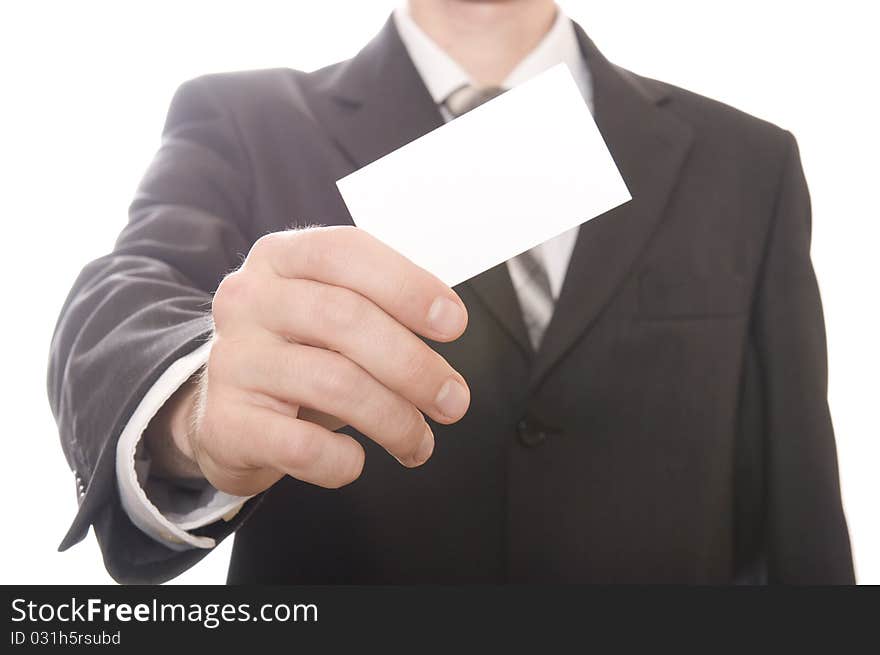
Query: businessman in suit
[{"x": 642, "y": 399}]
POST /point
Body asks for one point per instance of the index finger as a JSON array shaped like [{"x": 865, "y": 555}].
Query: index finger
[{"x": 348, "y": 257}]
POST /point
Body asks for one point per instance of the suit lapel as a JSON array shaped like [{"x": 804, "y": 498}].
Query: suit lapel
[
  {"x": 649, "y": 147},
  {"x": 495, "y": 290},
  {"x": 375, "y": 102}
]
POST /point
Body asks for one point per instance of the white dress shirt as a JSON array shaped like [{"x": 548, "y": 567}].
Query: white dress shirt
[{"x": 168, "y": 512}]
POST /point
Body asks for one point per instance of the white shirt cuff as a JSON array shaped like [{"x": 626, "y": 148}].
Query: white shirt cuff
[{"x": 183, "y": 508}]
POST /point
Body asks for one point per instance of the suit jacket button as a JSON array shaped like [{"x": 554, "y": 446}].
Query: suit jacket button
[{"x": 530, "y": 434}]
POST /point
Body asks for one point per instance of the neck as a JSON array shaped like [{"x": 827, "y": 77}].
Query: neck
[{"x": 487, "y": 38}]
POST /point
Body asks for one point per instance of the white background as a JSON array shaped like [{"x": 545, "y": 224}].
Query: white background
[{"x": 85, "y": 86}]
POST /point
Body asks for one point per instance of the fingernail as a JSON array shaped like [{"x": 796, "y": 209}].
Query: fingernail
[
  {"x": 425, "y": 448},
  {"x": 452, "y": 399},
  {"x": 446, "y": 317}
]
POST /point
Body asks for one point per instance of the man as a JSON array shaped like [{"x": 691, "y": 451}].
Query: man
[{"x": 642, "y": 399}]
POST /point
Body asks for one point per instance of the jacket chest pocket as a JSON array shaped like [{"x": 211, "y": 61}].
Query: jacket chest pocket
[{"x": 688, "y": 294}]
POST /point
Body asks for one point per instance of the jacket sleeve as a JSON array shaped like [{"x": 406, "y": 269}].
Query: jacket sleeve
[
  {"x": 133, "y": 312},
  {"x": 806, "y": 532}
]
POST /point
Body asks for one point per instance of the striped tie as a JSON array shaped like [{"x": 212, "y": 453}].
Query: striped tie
[{"x": 527, "y": 271}]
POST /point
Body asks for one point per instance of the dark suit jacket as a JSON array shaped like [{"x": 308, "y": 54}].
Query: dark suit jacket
[{"x": 673, "y": 425}]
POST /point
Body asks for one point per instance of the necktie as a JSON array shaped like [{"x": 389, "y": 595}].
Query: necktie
[{"x": 527, "y": 271}]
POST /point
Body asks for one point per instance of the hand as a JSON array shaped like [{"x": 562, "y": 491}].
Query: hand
[{"x": 315, "y": 331}]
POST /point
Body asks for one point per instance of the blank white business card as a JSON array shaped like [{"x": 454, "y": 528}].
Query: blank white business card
[{"x": 508, "y": 175}]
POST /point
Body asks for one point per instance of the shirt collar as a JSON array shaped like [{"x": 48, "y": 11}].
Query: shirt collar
[{"x": 442, "y": 74}]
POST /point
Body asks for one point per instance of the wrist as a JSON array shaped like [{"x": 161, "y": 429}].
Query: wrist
[
  {"x": 181, "y": 422},
  {"x": 167, "y": 437}
]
